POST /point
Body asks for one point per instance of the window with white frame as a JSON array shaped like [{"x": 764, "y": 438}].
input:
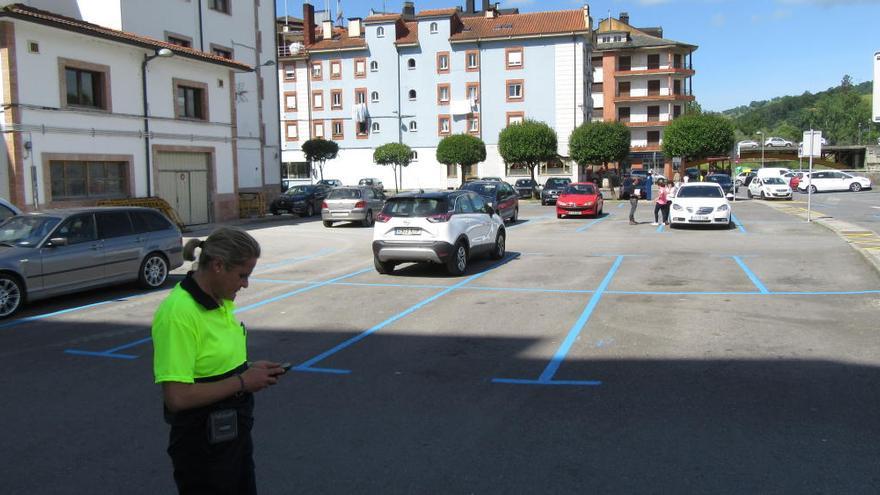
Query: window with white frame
[
  {"x": 443, "y": 93},
  {"x": 474, "y": 124},
  {"x": 444, "y": 125},
  {"x": 318, "y": 101},
  {"x": 319, "y": 129},
  {"x": 374, "y": 97},
  {"x": 375, "y": 128},
  {"x": 290, "y": 72},
  {"x": 472, "y": 59},
  {"x": 335, "y": 69},
  {"x": 290, "y": 102},
  {"x": 514, "y": 58},
  {"x": 433, "y": 28},
  {"x": 514, "y": 90},
  {"x": 292, "y": 131},
  {"x": 443, "y": 62},
  {"x": 336, "y": 99},
  {"x": 360, "y": 67},
  {"x": 380, "y": 32},
  {"x": 316, "y": 70}
]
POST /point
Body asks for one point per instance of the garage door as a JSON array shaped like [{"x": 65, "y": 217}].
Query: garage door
[{"x": 183, "y": 183}]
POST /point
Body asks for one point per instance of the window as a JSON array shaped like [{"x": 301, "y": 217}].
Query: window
[
  {"x": 623, "y": 114},
  {"x": 86, "y": 85},
  {"x": 654, "y": 88},
  {"x": 113, "y": 224},
  {"x": 291, "y": 133},
  {"x": 473, "y": 124},
  {"x": 596, "y": 62},
  {"x": 472, "y": 60},
  {"x": 149, "y": 221},
  {"x": 515, "y": 117},
  {"x": 374, "y": 97},
  {"x": 623, "y": 88},
  {"x": 337, "y": 129},
  {"x": 290, "y": 101},
  {"x": 374, "y": 66},
  {"x": 676, "y": 86},
  {"x": 433, "y": 28},
  {"x": 375, "y": 128},
  {"x": 653, "y": 138},
  {"x": 74, "y": 179},
  {"x": 318, "y": 129},
  {"x": 221, "y": 51},
  {"x": 412, "y": 94},
  {"x": 624, "y": 63},
  {"x": 515, "y": 90},
  {"x": 336, "y": 99},
  {"x": 514, "y": 57},
  {"x": 335, "y": 69},
  {"x": 296, "y": 170},
  {"x": 653, "y": 61},
  {"x": 380, "y": 32},
  {"x": 360, "y": 68},
  {"x": 598, "y": 114},
  {"x": 219, "y": 5},
  {"x": 191, "y": 100},
  {"x": 597, "y": 87},
  {"x": 289, "y": 72},
  {"x": 443, "y": 62},
  {"x": 77, "y": 229},
  {"x": 316, "y": 71},
  {"x": 414, "y": 156},
  {"x": 33, "y": 47},
  {"x": 317, "y": 100},
  {"x": 653, "y": 113},
  {"x": 472, "y": 90},
  {"x": 413, "y": 126},
  {"x": 618, "y": 39},
  {"x": 442, "y": 94},
  {"x": 676, "y": 61},
  {"x": 676, "y": 111},
  {"x": 360, "y": 95},
  {"x": 411, "y": 64},
  {"x": 444, "y": 125},
  {"x": 179, "y": 40}
]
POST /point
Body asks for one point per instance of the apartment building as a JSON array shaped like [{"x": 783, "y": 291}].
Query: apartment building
[
  {"x": 241, "y": 31},
  {"x": 641, "y": 79},
  {"x": 74, "y": 125},
  {"x": 415, "y": 78}
]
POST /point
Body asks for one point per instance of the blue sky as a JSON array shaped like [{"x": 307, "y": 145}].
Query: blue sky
[{"x": 748, "y": 50}]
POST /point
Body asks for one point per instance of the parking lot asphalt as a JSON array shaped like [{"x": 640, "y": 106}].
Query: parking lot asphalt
[{"x": 596, "y": 356}]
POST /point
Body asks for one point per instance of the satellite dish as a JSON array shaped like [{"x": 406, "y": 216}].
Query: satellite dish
[{"x": 296, "y": 47}]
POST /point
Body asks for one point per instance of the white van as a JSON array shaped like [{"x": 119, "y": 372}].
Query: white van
[{"x": 773, "y": 172}]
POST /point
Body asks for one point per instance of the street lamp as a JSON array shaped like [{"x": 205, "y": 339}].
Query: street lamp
[
  {"x": 762, "y": 147},
  {"x": 164, "y": 53}
]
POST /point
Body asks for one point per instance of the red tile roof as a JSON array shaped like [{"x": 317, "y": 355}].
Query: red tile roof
[
  {"x": 340, "y": 41},
  {"x": 530, "y": 24},
  {"x": 407, "y": 33},
  {"x": 24, "y": 12},
  {"x": 382, "y": 18},
  {"x": 437, "y": 12}
]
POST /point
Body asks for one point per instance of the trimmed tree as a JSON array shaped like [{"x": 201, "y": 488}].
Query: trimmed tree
[
  {"x": 529, "y": 143},
  {"x": 463, "y": 150},
  {"x": 697, "y": 136},
  {"x": 320, "y": 150},
  {"x": 599, "y": 142},
  {"x": 394, "y": 154}
]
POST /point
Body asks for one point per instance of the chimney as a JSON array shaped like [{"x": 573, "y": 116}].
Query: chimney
[
  {"x": 327, "y": 30},
  {"x": 354, "y": 27},
  {"x": 588, "y": 21},
  {"x": 409, "y": 9},
  {"x": 490, "y": 13},
  {"x": 470, "y": 7},
  {"x": 308, "y": 24},
  {"x": 624, "y": 17}
]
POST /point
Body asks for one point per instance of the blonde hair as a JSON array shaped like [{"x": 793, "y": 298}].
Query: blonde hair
[{"x": 230, "y": 245}]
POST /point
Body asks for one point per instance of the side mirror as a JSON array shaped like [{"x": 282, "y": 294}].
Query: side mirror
[
  {"x": 57, "y": 241},
  {"x": 490, "y": 204},
  {"x": 490, "y": 210},
  {"x": 729, "y": 196}
]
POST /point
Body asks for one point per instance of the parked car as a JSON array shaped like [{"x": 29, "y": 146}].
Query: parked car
[
  {"x": 741, "y": 177},
  {"x": 499, "y": 195},
  {"x": 445, "y": 227},
  {"x": 579, "y": 199},
  {"x": 7, "y": 210},
  {"x": 793, "y": 179},
  {"x": 778, "y": 142},
  {"x": 722, "y": 180},
  {"x": 832, "y": 180},
  {"x": 772, "y": 172},
  {"x": 330, "y": 182},
  {"x": 303, "y": 200},
  {"x": 769, "y": 188},
  {"x": 552, "y": 187},
  {"x": 526, "y": 188},
  {"x": 748, "y": 144},
  {"x": 371, "y": 182},
  {"x": 352, "y": 204},
  {"x": 692, "y": 174},
  {"x": 701, "y": 203},
  {"x": 490, "y": 178},
  {"x": 56, "y": 252}
]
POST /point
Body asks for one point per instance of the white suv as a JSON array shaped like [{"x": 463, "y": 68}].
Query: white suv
[
  {"x": 778, "y": 142},
  {"x": 444, "y": 227}
]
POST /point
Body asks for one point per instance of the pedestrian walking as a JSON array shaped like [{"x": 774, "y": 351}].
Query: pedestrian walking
[
  {"x": 200, "y": 359},
  {"x": 676, "y": 178},
  {"x": 649, "y": 183},
  {"x": 660, "y": 203},
  {"x": 630, "y": 189},
  {"x": 671, "y": 191}
]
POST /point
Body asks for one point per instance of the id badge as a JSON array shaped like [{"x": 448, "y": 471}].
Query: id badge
[{"x": 223, "y": 426}]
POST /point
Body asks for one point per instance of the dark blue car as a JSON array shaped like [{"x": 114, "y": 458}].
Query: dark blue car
[{"x": 302, "y": 200}]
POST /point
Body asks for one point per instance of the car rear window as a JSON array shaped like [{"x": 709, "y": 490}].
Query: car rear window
[
  {"x": 344, "y": 194},
  {"x": 415, "y": 207},
  {"x": 483, "y": 189},
  {"x": 700, "y": 192},
  {"x": 149, "y": 221}
]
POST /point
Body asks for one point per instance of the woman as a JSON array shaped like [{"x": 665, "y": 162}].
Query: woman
[
  {"x": 660, "y": 203},
  {"x": 671, "y": 191},
  {"x": 200, "y": 359}
]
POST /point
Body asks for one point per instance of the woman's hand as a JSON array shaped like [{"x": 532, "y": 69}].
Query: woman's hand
[{"x": 261, "y": 374}]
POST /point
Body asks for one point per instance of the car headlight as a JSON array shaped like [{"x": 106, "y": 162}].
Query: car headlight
[
  {"x": 676, "y": 207},
  {"x": 723, "y": 208},
  {"x": 588, "y": 203}
]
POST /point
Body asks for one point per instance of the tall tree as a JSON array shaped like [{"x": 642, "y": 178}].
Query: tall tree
[
  {"x": 698, "y": 136},
  {"x": 528, "y": 143},
  {"x": 394, "y": 154},
  {"x": 599, "y": 142},
  {"x": 463, "y": 150},
  {"x": 320, "y": 150}
]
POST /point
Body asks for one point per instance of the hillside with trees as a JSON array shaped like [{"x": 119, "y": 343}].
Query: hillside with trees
[{"x": 837, "y": 112}]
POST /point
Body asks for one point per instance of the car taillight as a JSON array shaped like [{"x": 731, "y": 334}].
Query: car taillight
[
  {"x": 360, "y": 204},
  {"x": 324, "y": 205},
  {"x": 442, "y": 217},
  {"x": 381, "y": 217}
]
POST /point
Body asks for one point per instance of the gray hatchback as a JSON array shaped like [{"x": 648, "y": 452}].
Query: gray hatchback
[
  {"x": 352, "y": 204},
  {"x": 55, "y": 252}
]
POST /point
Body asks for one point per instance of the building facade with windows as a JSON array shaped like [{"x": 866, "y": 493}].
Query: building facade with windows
[
  {"x": 415, "y": 78},
  {"x": 74, "y": 126},
  {"x": 641, "y": 79}
]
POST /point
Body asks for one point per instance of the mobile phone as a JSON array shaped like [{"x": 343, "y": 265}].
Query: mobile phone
[{"x": 286, "y": 366}]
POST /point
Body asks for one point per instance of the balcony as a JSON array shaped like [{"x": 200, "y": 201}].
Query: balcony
[
  {"x": 651, "y": 96},
  {"x": 679, "y": 71},
  {"x": 649, "y": 148},
  {"x": 652, "y": 122}
]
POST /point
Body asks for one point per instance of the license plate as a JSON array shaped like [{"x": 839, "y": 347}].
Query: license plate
[
  {"x": 339, "y": 213},
  {"x": 407, "y": 231},
  {"x": 700, "y": 218},
  {"x": 575, "y": 212}
]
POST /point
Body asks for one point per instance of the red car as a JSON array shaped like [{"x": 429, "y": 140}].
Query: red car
[{"x": 579, "y": 199}]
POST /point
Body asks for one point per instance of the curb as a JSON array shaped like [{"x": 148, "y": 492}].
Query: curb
[{"x": 865, "y": 242}]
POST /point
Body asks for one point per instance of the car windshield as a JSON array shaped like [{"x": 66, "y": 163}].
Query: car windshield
[
  {"x": 365, "y": 182},
  {"x": 773, "y": 180},
  {"x": 414, "y": 207},
  {"x": 345, "y": 193},
  {"x": 557, "y": 182},
  {"x": 580, "y": 189},
  {"x": 26, "y": 231},
  {"x": 700, "y": 192},
  {"x": 524, "y": 182},
  {"x": 300, "y": 190},
  {"x": 482, "y": 189}
]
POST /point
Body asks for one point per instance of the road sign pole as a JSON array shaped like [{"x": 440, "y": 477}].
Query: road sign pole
[{"x": 810, "y": 187}]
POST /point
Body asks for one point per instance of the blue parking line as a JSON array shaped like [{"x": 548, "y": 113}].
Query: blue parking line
[
  {"x": 754, "y": 278},
  {"x": 100, "y": 354},
  {"x": 546, "y": 377},
  {"x": 530, "y": 221},
  {"x": 594, "y": 222},
  {"x": 307, "y": 365},
  {"x": 738, "y": 224},
  {"x": 293, "y": 261},
  {"x": 620, "y": 205}
]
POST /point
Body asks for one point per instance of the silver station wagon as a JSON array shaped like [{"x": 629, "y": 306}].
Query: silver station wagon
[{"x": 55, "y": 252}]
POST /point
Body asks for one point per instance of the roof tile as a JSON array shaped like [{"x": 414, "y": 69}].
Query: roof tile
[{"x": 530, "y": 24}]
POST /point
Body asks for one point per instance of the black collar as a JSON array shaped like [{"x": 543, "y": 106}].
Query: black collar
[{"x": 189, "y": 284}]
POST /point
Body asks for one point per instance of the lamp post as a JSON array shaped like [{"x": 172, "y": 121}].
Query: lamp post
[
  {"x": 164, "y": 53},
  {"x": 760, "y": 133}
]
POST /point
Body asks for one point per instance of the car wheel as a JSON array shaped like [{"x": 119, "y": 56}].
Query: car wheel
[
  {"x": 384, "y": 267},
  {"x": 749, "y": 194},
  {"x": 855, "y": 187},
  {"x": 275, "y": 211},
  {"x": 763, "y": 197},
  {"x": 543, "y": 203},
  {"x": 154, "y": 271},
  {"x": 457, "y": 263},
  {"x": 11, "y": 295},
  {"x": 515, "y": 215},
  {"x": 813, "y": 190},
  {"x": 310, "y": 210},
  {"x": 500, "y": 246},
  {"x": 327, "y": 223},
  {"x": 368, "y": 219}
]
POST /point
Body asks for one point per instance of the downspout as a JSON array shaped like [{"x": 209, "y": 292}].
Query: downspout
[
  {"x": 480, "y": 87},
  {"x": 574, "y": 90},
  {"x": 146, "y": 124},
  {"x": 399, "y": 119},
  {"x": 201, "y": 27},
  {"x": 309, "y": 115}
]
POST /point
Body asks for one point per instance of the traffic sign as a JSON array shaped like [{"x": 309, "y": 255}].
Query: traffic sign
[
  {"x": 877, "y": 87},
  {"x": 812, "y": 144}
]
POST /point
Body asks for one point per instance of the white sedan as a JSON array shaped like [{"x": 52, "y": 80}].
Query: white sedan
[
  {"x": 701, "y": 203},
  {"x": 769, "y": 188},
  {"x": 832, "y": 180}
]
